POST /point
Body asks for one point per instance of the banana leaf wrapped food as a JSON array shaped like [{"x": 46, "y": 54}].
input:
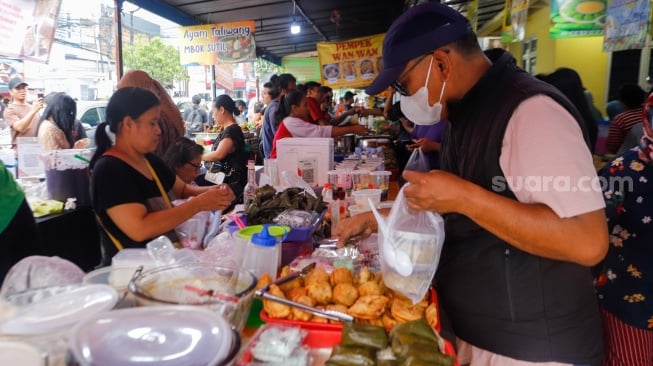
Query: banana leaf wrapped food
[
  {"x": 363, "y": 335},
  {"x": 352, "y": 356}
]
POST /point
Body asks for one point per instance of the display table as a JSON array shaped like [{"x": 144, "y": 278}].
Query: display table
[{"x": 72, "y": 235}]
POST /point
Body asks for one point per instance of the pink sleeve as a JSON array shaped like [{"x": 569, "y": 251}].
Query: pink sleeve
[
  {"x": 300, "y": 128},
  {"x": 545, "y": 159}
]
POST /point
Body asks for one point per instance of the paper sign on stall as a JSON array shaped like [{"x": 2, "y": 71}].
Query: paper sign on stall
[{"x": 29, "y": 164}]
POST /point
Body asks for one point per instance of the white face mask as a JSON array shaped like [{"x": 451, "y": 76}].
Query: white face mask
[{"x": 416, "y": 107}]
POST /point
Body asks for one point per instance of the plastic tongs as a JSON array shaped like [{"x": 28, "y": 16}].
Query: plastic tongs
[{"x": 329, "y": 314}]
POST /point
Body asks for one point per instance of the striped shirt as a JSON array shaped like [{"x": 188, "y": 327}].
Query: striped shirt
[{"x": 620, "y": 126}]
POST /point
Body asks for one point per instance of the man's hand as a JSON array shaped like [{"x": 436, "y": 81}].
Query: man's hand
[
  {"x": 425, "y": 144},
  {"x": 360, "y": 225},
  {"x": 436, "y": 190}
]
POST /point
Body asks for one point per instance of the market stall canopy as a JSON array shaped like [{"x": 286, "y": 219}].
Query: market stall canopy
[{"x": 320, "y": 21}]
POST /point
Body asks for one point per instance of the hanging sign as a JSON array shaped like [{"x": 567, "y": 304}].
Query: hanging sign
[
  {"x": 577, "y": 18},
  {"x": 350, "y": 64},
  {"x": 626, "y": 24},
  {"x": 27, "y": 28},
  {"x": 212, "y": 44}
]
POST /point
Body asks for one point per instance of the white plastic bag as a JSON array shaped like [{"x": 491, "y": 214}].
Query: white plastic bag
[
  {"x": 418, "y": 161},
  {"x": 410, "y": 243}
]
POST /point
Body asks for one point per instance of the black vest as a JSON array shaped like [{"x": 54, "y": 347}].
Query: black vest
[{"x": 498, "y": 297}]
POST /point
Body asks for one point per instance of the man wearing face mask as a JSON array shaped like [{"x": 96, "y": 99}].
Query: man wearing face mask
[{"x": 523, "y": 225}]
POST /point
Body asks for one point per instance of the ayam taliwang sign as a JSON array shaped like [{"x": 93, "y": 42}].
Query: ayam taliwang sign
[{"x": 212, "y": 44}]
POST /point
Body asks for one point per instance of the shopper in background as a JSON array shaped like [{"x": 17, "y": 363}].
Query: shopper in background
[
  {"x": 228, "y": 153},
  {"x": 21, "y": 117},
  {"x": 625, "y": 285},
  {"x": 241, "y": 118},
  {"x": 195, "y": 118},
  {"x": 170, "y": 121},
  {"x": 569, "y": 83},
  {"x": 513, "y": 275},
  {"x": 131, "y": 188},
  {"x": 294, "y": 114},
  {"x": 281, "y": 84},
  {"x": 19, "y": 235},
  {"x": 185, "y": 158},
  {"x": 631, "y": 97},
  {"x": 56, "y": 127}
]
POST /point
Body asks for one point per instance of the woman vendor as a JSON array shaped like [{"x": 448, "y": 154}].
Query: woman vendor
[{"x": 130, "y": 185}]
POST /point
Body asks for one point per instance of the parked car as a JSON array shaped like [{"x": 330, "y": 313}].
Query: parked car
[{"x": 91, "y": 114}]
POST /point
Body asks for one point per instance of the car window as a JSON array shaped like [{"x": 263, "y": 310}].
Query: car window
[{"x": 92, "y": 117}]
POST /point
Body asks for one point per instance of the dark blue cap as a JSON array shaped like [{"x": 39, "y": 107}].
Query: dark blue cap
[{"x": 421, "y": 29}]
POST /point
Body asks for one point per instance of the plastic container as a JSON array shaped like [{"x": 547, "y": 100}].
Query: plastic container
[
  {"x": 116, "y": 277},
  {"x": 302, "y": 234},
  {"x": 381, "y": 180},
  {"x": 67, "y": 176},
  {"x": 363, "y": 196},
  {"x": 263, "y": 254},
  {"x": 227, "y": 291},
  {"x": 361, "y": 179},
  {"x": 133, "y": 257},
  {"x": 176, "y": 335}
]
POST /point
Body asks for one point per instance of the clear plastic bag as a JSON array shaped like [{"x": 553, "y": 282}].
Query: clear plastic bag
[
  {"x": 418, "y": 161},
  {"x": 410, "y": 243}
]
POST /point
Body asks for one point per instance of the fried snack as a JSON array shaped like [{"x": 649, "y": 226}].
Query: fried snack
[
  {"x": 388, "y": 321},
  {"x": 341, "y": 275},
  {"x": 263, "y": 281},
  {"x": 431, "y": 315},
  {"x": 297, "y": 282},
  {"x": 321, "y": 292},
  {"x": 317, "y": 275},
  {"x": 345, "y": 294},
  {"x": 369, "y": 307},
  {"x": 298, "y": 314},
  {"x": 376, "y": 322},
  {"x": 294, "y": 292},
  {"x": 363, "y": 276},
  {"x": 404, "y": 310},
  {"x": 370, "y": 288},
  {"x": 273, "y": 308}
]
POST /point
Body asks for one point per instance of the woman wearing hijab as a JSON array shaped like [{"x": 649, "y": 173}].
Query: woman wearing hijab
[{"x": 170, "y": 121}]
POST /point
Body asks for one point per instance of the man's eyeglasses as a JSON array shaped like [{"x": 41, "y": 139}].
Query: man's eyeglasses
[
  {"x": 196, "y": 166},
  {"x": 399, "y": 87}
]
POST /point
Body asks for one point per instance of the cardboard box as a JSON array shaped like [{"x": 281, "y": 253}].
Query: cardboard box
[{"x": 310, "y": 158}]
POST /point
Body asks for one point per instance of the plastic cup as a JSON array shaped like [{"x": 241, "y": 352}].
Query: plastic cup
[
  {"x": 361, "y": 179},
  {"x": 271, "y": 168},
  {"x": 363, "y": 196},
  {"x": 381, "y": 180}
]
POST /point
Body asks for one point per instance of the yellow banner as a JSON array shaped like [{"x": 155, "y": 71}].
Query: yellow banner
[
  {"x": 211, "y": 44},
  {"x": 350, "y": 64}
]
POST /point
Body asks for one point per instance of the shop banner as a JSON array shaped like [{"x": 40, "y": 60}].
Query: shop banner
[
  {"x": 514, "y": 21},
  {"x": 212, "y": 44},
  {"x": 303, "y": 68},
  {"x": 27, "y": 28},
  {"x": 577, "y": 18},
  {"x": 350, "y": 64},
  {"x": 626, "y": 24}
]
